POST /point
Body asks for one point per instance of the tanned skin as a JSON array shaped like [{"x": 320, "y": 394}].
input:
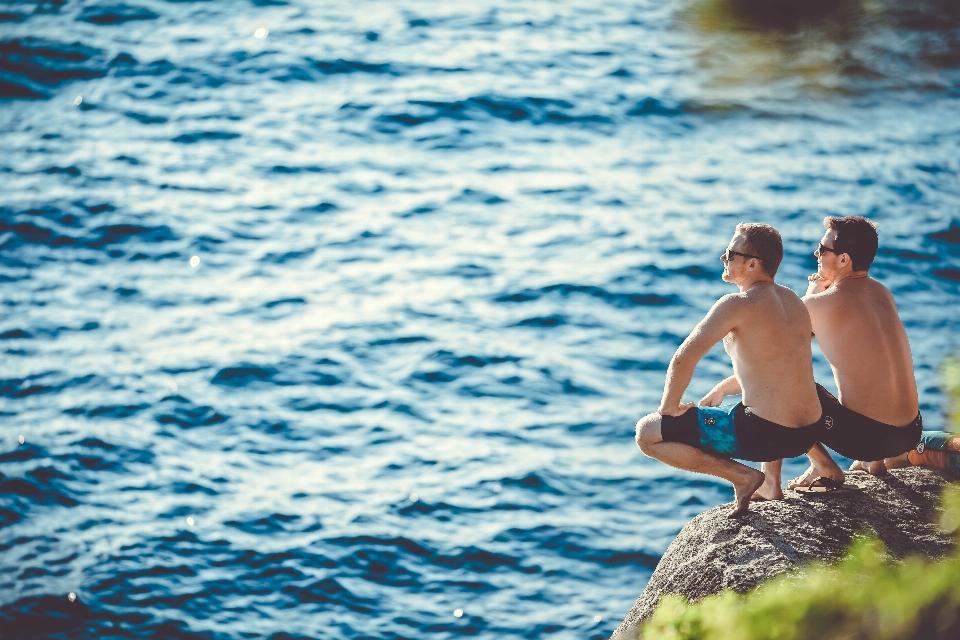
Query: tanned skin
[
  {"x": 856, "y": 323},
  {"x": 766, "y": 331}
]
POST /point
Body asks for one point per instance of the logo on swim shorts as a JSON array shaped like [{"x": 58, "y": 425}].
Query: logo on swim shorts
[
  {"x": 828, "y": 422},
  {"x": 710, "y": 421},
  {"x": 920, "y": 447}
]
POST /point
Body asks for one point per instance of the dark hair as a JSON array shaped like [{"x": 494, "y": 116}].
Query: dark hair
[
  {"x": 764, "y": 241},
  {"x": 857, "y": 237}
]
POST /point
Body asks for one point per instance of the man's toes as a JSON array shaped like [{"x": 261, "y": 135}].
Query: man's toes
[
  {"x": 739, "y": 510},
  {"x": 877, "y": 468}
]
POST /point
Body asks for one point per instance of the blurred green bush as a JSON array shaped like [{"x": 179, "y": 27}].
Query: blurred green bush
[
  {"x": 950, "y": 376},
  {"x": 867, "y": 596}
]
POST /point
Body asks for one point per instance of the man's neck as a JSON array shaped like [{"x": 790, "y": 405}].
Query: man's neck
[
  {"x": 849, "y": 275},
  {"x": 746, "y": 284}
]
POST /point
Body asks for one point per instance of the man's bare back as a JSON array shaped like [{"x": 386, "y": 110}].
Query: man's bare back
[
  {"x": 859, "y": 331},
  {"x": 771, "y": 359}
]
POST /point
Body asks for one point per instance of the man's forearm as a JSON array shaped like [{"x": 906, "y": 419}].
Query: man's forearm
[
  {"x": 730, "y": 386},
  {"x": 679, "y": 374}
]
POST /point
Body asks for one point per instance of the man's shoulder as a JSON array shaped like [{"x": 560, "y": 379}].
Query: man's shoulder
[
  {"x": 824, "y": 299},
  {"x": 877, "y": 288},
  {"x": 731, "y": 300},
  {"x": 786, "y": 292},
  {"x": 729, "y": 304}
]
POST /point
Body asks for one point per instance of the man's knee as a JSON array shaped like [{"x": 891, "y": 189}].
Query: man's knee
[{"x": 648, "y": 432}]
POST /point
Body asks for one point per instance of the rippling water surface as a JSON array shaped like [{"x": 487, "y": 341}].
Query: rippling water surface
[{"x": 446, "y": 251}]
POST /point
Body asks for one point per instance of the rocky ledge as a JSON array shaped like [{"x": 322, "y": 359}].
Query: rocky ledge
[{"x": 713, "y": 552}]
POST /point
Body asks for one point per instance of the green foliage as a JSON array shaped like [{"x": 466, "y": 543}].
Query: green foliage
[
  {"x": 867, "y": 596},
  {"x": 950, "y": 375}
]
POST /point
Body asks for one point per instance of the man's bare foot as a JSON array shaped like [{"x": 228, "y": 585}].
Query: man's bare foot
[
  {"x": 743, "y": 491},
  {"x": 898, "y": 462},
  {"x": 769, "y": 490},
  {"x": 834, "y": 472},
  {"x": 876, "y": 467}
]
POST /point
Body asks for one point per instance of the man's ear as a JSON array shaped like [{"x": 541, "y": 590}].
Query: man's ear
[{"x": 844, "y": 259}]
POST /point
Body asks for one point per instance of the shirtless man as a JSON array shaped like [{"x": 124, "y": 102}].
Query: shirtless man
[
  {"x": 766, "y": 331},
  {"x": 856, "y": 323}
]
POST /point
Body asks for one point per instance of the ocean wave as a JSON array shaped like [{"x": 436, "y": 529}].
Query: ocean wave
[
  {"x": 204, "y": 136},
  {"x": 111, "y": 14},
  {"x": 620, "y": 300},
  {"x": 569, "y": 544},
  {"x": 26, "y": 229},
  {"x": 187, "y": 415},
  {"x": 950, "y": 235},
  {"x": 530, "y": 109},
  {"x": 50, "y": 616},
  {"x": 28, "y": 66}
]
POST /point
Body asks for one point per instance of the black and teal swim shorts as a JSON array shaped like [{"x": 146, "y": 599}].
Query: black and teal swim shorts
[{"x": 734, "y": 431}]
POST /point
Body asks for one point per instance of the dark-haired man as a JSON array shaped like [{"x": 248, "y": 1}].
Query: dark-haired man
[
  {"x": 766, "y": 331},
  {"x": 856, "y": 323}
]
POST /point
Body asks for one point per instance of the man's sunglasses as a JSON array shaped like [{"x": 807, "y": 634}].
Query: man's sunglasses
[
  {"x": 731, "y": 252},
  {"x": 821, "y": 249}
]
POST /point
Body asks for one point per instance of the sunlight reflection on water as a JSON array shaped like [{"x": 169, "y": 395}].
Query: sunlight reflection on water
[{"x": 448, "y": 250}]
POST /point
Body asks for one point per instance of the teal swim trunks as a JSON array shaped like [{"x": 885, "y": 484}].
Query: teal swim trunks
[
  {"x": 718, "y": 432},
  {"x": 734, "y": 431},
  {"x": 936, "y": 441}
]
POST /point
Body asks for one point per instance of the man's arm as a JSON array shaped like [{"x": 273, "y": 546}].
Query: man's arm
[
  {"x": 726, "y": 387},
  {"x": 719, "y": 321},
  {"x": 817, "y": 306}
]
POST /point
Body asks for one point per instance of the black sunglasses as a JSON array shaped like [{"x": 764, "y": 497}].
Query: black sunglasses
[
  {"x": 821, "y": 249},
  {"x": 731, "y": 252}
]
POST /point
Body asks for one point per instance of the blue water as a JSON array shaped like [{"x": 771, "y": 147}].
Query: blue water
[{"x": 446, "y": 251}]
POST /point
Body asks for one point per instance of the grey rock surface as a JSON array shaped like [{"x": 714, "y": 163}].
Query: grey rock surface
[{"x": 713, "y": 552}]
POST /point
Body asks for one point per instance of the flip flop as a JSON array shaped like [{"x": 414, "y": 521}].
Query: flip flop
[{"x": 824, "y": 485}]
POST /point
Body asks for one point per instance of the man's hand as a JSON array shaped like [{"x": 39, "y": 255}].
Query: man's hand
[
  {"x": 714, "y": 398},
  {"x": 726, "y": 387},
  {"x": 817, "y": 284},
  {"x": 677, "y": 411}
]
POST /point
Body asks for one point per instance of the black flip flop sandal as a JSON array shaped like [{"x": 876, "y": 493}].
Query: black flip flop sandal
[{"x": 827, "y": 486}]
